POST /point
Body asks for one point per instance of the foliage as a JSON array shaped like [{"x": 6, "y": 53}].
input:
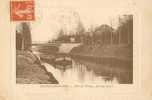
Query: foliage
[{"x": 103, "y": 34}]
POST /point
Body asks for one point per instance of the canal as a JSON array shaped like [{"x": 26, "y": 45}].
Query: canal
[
  {"x": 85, "y": 72},
  {"x": 79, "y": 73}
]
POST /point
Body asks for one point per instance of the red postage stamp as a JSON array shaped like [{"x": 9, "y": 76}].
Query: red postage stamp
[{"x": 22, "y": 10}]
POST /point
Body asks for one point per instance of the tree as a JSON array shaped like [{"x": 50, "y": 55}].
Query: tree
[
  {"x": 18, "y": 40},
  {"x": 80, "y": 28},
  {"x": 102, "y": 34},
  {"x": 125, "y": 29},
  {"x": 27, "y": 40}
]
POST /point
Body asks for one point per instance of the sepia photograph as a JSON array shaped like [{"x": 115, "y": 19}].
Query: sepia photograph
[
  {"x": 75, "y": 45},
  {"x": 76, "y": 50}
]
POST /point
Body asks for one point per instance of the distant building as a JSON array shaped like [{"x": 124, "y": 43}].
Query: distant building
[{"x": 72, "y": 39}]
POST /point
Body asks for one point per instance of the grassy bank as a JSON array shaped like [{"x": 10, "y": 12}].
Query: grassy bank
[
  {"x": 30, "y": 71},
  {"x": 107, "y": 51}
]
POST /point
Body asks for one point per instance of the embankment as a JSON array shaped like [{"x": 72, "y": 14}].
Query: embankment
[
  {"x": 104, "y": 54},
  {"x": 30, "y": 71}
]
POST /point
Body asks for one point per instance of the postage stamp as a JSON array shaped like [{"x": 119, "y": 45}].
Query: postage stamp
[{"x": 22, "y": 11}]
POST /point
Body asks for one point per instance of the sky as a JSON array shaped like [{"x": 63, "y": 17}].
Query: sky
[{"x": 50, "y": 13}]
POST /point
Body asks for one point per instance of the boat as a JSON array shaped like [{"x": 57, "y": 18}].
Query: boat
[
  {"x": 63, "y": 67},
  {"x": 47, "y": 58},
  {"x": 63, "y": 61}
]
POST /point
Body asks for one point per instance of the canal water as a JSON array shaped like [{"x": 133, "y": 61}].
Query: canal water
[
  {"x": 78, "y": 73},
  {"x": 85, "y": 72}
]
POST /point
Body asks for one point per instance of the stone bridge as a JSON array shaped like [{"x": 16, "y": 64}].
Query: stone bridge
[
  {"x": 67, "y": 47},
  {"x": 63, "y": 47}
]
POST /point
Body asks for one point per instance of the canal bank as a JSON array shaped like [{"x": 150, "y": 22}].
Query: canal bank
[
  {"x": 29, "y": 70},
  {"x": 122, "y": 52}
]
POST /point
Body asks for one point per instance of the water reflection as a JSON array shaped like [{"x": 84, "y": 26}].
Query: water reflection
[{"x": 78, "y": 73}]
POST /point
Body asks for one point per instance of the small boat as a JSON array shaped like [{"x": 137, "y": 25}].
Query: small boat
[
  {"x": 63, "y": 67},
  {"x": 47, "y": 58},
  {"x": 63, "y": 61}
]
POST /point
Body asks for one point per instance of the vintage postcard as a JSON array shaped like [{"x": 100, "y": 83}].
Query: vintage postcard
[
  {"x": 78, "y": 45},
  {"x": 75, "y": 50}
]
